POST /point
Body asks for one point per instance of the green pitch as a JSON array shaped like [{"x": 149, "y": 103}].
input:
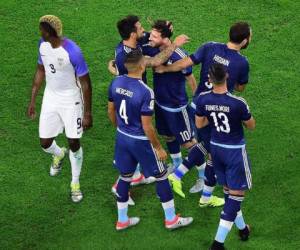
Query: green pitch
[{"x": 36, "y": 211}]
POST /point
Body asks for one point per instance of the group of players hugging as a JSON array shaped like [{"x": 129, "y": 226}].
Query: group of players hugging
[{"x": 210, "y": 128}]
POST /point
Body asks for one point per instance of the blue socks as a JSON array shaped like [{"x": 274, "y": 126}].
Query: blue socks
[
  {"x": 210, "y": 178},
  {"x": 174, "y": 150},
  {"x": 122, "y": 199},
  {"x": 228, "y": 215},
  {"x": 165, "y": 194}
]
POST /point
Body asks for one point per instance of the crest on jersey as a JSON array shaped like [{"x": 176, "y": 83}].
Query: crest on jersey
[{"x": 60, "y": 61}]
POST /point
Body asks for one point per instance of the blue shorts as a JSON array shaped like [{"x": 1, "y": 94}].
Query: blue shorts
[
  {"x": 130, "y": 151},
  {"x": 174, "y": 124},
  {"x": 232, "y": 166},
  {"x": 203, "y": 134}
]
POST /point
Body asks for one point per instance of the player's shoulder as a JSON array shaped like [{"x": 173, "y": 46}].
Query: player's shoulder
[
  {"x": 205, "y": 93},
  {"x": 203, "y": 96},
  {"x": 146, "y": 89},
  {"x": 212, "y": 44},
  {"x": 180, "y": 53},
  {"x": 70, "y": 46},
  {"x": 237, "y": 99}
]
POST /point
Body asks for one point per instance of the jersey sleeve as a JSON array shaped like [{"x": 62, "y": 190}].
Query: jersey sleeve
[
  {"x": 199, "y": 55},
  {"x": 244, "y": 73},
  {"x": 119, "y": 62},
  {"x": 110, "y": 93},
  {"x": 189, "y": 70},
  {"x": 39, "y": 61},
  {"x": 199, "y": 107},
  {"x": 245, "y": 111},
  {"x": 148, "y": 103}
]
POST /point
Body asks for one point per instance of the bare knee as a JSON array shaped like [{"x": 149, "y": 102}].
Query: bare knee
[
  {"x": 74, "y": 144},
  {"x": 46, "y": 142}
]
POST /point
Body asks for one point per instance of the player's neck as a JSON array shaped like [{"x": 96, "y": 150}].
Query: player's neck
[
  {"x": 137, "y": 75},
  {"x": 55, "y": 42},
  {"x": 220, "y": 89},
  {"x": 165, "y": 45},
  {"x": 130, "y": 43},
  {"x": 233, "y": 46}
]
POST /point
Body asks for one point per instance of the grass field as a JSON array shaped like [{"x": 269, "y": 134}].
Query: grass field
[{"x": 36, "y": 211}]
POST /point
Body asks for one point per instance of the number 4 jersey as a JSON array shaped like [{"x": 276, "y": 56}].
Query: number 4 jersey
[
  {"x": 225, "y": 113},
  {"x": 132, "y": 99}
]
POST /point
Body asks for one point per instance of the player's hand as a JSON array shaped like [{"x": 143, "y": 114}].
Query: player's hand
[
  {"x": 160, "y": 69},
  {"x": 112, "y": 67},
  {"x": 181, "y": 40},
  {"x": 87, "y": 121},
  {"x": 161, "y": 154},
  {"x": 31, "y": 111}
]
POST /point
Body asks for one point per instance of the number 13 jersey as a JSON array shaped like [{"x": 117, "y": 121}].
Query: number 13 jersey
[{"x": 225, "y": 113}]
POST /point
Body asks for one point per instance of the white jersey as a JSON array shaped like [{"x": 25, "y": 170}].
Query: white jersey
[{"x": 63, "y": 66}]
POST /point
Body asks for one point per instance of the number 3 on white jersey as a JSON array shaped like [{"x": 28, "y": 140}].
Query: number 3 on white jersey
[
  {"x": 122, "y": 111},
  {"x": 224, "y": 120}
]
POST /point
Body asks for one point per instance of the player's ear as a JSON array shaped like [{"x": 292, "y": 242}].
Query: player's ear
[{"x": 244, "y": 42}]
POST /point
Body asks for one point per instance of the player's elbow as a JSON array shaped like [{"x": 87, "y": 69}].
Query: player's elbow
[{"x": 240, "y": 88}]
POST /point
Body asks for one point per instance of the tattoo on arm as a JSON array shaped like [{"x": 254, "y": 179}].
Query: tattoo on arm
[{"x": 161, "y": 57}]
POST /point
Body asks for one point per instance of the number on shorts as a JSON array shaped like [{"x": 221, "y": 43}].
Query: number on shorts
[
  {"x": 224, "y": 119},
  {"x": 53, "y": 70},
  {"x": 185, "y": 135},
  {"x": 79, "y": 123},
  {"x": 122, "y": 111}
]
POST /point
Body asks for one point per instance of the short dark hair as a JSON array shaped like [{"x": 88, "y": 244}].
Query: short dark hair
[
  {"x": 48, "y": 28},
  {"x": 239, "y": 31},
  {"x": 217, "y": 73},
  {"x": 127, "y": 25},
  {"x": 163, "y": 27},
  {"x": 132, "y": 59}
]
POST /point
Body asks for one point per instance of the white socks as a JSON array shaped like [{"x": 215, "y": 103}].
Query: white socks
[
  {"x": 76, "y": 164},
  {"x": 54, "y": 149}
]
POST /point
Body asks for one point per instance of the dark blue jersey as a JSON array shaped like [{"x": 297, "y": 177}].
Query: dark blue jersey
[
  {"x": 122, "y": 50},
  {"x": 169, "y": 88},
  {"x": 237, "y": 65},
  {"x": 225, "y": 113},
  {"x": 132, "y": 99}
]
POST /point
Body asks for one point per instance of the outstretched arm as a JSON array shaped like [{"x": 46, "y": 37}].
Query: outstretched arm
[
  {"x": 36, "y": 85},
  {"x": 167, "y": 52},
  {"x": 177, "y": 66}
]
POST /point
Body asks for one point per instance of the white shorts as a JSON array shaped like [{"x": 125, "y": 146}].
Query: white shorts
[{"x": 55, "y": 119}]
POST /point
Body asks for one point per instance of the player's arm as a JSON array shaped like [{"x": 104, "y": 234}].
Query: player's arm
[
  {"x": 167, "y": 52},
  {"x": 150, "y": 133},
  {"x": 86, "y": 87},
  {"x": 112, "y": 68},
  {"x": 243, "y": 77},
  {"x": 36, "y": 85},
  {"x": 111, "y": 111},
  {"x": 191, "y": 80},
  {"x": 177, "y": 66},
  {"x": 201, "y": 121},
  {"x": 250, "y": 124}
]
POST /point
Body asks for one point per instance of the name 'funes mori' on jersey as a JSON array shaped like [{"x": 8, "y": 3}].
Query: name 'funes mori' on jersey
[
  {"x": 170, "y": 87},
  {"x": 237, "y": 65},
  {"x": 132, "y": 99},
  {"x": 225, "y": 113},
  {"x": 63, "y": 66}
]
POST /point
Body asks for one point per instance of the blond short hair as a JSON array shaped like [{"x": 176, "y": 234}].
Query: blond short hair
[{"x": 54, "y": 22}]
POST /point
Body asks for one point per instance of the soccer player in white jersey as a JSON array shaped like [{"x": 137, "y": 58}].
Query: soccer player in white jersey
[{"x": 67, "y": 98}]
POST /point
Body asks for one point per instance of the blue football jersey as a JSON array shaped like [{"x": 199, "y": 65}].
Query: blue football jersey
[
  {"x": 237, "y": 65},
  {"x": 169, "y": 88},
  {"x": 132, "y": 99},
  {"x": 225, "y": 113},
  {"x": 122, "y": 50}
]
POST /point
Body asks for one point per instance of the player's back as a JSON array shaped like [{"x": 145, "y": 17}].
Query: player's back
[
  {"x": 225, "y": 113},
  {"x": 236, "y": 64},
  {"x": 62, "y": 67},
  {"x": 132, "y": 99}
]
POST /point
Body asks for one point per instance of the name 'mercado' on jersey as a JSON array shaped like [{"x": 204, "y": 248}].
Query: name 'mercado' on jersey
[
  {"x": 225, "y": 113},
  {"x": 132, "y": 99},
  {"x": 170, "y": 87},
  {"x": 63, "y": 66},
  {"x": 122, "y": 50},
  {"x": 237, "y": 65}
]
